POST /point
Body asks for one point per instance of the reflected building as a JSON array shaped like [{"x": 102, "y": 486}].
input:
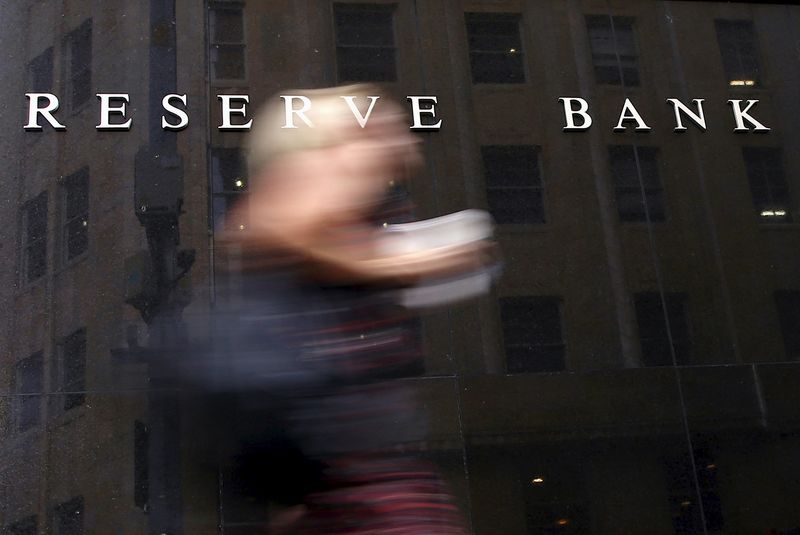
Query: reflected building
[{"x": 637, "y": 364}]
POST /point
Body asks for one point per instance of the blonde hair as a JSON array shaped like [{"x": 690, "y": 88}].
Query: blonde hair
[{"x": 329, "y": 113}]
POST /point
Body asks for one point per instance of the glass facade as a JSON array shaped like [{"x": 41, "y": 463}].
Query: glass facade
[{"x": 636, "y": 369}]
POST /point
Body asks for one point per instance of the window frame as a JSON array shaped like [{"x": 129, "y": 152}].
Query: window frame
[
  {"x": 390, "y": 8},
  {"x": 641, "y": 187},
  {"x": 614, "y": 24},
  {"x": 777, "y": 164},
  {"x": 46, "y": 55},
  {"x": 728, "y": 25},
  {"x": 220, "y": 5},
  {"x": 518, "y": 19},
  {"x": 536, "y": 151},
  {"x": 72, "y": 391},
  {"x": 789, "y": 326},
  {"x": 23, "y": 397},
  {"x": 75, "y": 506},
  {"x": 65, "y": 183},
  {"x": 560, "y": 346},
  {"x": 672, "y": 298},
  {"x": 27, "y": 525},
  {"x": 70, "y": 42},
  {"x": 27, "y": 243},
  {"x": 227, "y": 195}
]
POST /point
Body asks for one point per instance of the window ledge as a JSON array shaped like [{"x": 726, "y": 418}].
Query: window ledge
[
  {"x": 68, "y": 416},
  {"x": 72, "y": 262},
  {"x": 778, "y": 226},
  {"x": 30, "y": 287}
]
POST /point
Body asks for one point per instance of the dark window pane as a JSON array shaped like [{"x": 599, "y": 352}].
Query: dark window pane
[
  {"x": 516, "y": 206},
  {"x": 614, "y": 53},
  {"x": 76, "y": 213},
  {"x": 366, "y": 64},
  {"x": 495, "y": 48},
  {"x": 229, "y": 185},
  {"x": 26, "y": 526},
  {"x": 365, "y": 46},
  {"x": 227, "y": 170},
  {"x": 514, "y": 189},
  {"x": 632, "y": 187},
  {"x": 788, "y": 305},
  {"x": 35, "y": 237},
  {"x": 141, "y": 484},
  {"x": 655, "y": 336},
  {"x": 73, "y": 365},
  {"x": 768, "y": 184},
  {"x": 228, "y": 61},
  {"x": 737, "y": 44},
  {"x": 532, "y": 334},
  {"x": 363, "y": 26},
  {"x": 29, "y": 383},
  {"x": 228, "y": 25},
  {"x": 79, "y": 45},
  {"x": 227, "y": 43},
  {"x": 68, "y": 517},
  {"x": 41, "y": 72}
]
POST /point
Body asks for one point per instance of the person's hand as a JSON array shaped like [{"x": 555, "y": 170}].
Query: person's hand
[{"x": 440, "y": 262}]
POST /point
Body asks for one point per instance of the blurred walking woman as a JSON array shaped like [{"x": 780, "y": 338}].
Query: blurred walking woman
[{"x": 318, "y": 284}]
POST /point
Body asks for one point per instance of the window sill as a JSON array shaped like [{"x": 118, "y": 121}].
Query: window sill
[
  {"x": 72, "y": 262},
  {"x": 744, "y": 90},
  {"x": 66, "y": 417},
  {"x": 30, "y": 287},
  {"x": 778, "y": 226}
]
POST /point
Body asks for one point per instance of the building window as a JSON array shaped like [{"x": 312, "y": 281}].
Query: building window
[
  {"x": 737, "y": 44},
  {"x": 72, "y": 369},
  {"x": 40, "y": 72},
  {"x": 514, "y": 187},
  {"x": 631, "y": 192},
  {"x": 28, "y": 387},
  {"x": 788, "y": 305},
  {"x": 555, "y": 497},
  {"x": 75, "y": 207},
  {"x": 141, "y": 484},
  {"x": 686, "y": 518},
  {"x": 227, "y": 42},
  {"x": 229, "y": 186},
  {"x": 68, "y": 517},
  {"x": 532, "y": 334},
  {"x": 34, "y": 237},
  {"x": 654, "y": 334},
  {"x": 365, "y": 50},
  {"x": 767, "y": 183},
  {"x": 25, "y": 526},
  {"x": 495, "y": 48},
  {"x": 79, "y": 64},
  {"x": 614, "y": 54}
]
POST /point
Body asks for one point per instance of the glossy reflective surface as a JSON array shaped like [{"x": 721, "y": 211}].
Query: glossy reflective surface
[{"x": 635, "y": 370}]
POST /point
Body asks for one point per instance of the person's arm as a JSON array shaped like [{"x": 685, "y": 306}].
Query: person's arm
[{"x": 349, "y": 254}]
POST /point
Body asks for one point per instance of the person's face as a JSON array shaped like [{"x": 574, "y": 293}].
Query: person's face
[{"x": 384, "y": 151}]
